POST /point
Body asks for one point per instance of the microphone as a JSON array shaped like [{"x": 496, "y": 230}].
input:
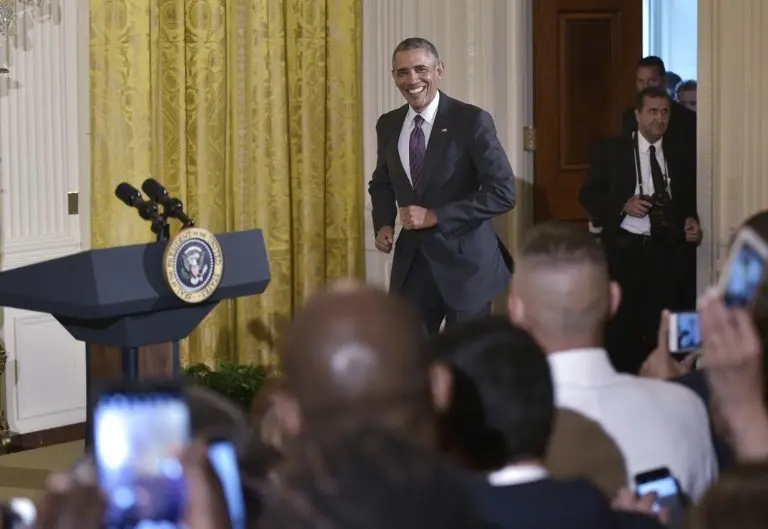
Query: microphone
[
  {"x": 172, "y": 207},
  {"x": 132, "y": 198}
]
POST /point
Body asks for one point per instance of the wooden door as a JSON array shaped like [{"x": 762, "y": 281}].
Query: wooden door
[{"x": 584, "y": 59}]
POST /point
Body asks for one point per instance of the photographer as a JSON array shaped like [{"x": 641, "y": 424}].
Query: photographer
[{"x": 644, "y": 192}]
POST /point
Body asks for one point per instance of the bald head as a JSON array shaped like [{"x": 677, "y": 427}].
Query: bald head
[
  {"x": 561, "y": 283},
  {"x": 354, "y": 347}
]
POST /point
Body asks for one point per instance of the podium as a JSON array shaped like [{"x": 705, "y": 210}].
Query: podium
[{"x": 117, "y": 299}]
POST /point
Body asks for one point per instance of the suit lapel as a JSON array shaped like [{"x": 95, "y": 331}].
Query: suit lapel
[
  {"x": 628, "y": 172},
  {"x": 438, "y": 139}
]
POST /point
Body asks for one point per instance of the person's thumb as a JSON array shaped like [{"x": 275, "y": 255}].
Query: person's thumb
[{"x": 662, "y": 340}]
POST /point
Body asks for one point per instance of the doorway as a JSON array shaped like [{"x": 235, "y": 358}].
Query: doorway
[{"x": 584, "y": 60}]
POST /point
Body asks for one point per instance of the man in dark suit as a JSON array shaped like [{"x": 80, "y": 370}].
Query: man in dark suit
[
  {"x": 643, "y": 190},
  {"x": 441, "y": 167},
  {"x": 681, "y": 133}
]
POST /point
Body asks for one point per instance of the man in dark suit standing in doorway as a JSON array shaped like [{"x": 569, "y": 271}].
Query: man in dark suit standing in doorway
[
  {"x": 642, "y": 187},
  {"x": 442, "y": 169},
  {"x": 681, "y": 134}
]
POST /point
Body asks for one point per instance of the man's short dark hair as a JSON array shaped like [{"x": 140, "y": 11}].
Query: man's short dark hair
[
  {"x": 685, "y": 86},
  {"x": 415, "y": 43},
  {"x": 650, "y": 92},
  {"x": 503, "y": 399},
  {"x": 652, "y": 61},
  {"x": 565, "y": 243}
]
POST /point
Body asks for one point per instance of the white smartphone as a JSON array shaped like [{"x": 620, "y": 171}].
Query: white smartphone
[
  {"x": 744, "y": 271},
  {"x": 684, "y": 332}
]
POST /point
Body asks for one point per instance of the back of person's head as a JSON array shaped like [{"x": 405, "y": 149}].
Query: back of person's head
[
  {"x": 368, "y": 478},
  {"x": 353, "y": 354},
  {"x": 581, "y": 448},
  {"x": 561, "y": 291},
  {"x": 736, "y": 501},
  {"x": 501, "y": 402}
]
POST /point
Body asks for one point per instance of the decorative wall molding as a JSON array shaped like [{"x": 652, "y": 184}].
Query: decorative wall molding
[
  {"x": 44, "y": 155},
  {"x": 733, "y": 110},
  {"x": 485, "y": 47}
]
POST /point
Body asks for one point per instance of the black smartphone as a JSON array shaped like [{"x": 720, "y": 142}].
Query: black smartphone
[
  {"x": 669, "y": 496},
  {"x": 138, "y": 434},
  {"x": 223, "y": 457}
]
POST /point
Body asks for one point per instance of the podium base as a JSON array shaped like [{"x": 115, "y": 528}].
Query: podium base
[{"x": 105, "y": 364}]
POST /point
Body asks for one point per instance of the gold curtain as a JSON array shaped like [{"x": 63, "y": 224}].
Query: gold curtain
[{"x": 250, "y": 111}]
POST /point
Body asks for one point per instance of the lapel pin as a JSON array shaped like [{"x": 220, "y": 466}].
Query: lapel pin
[{"x": 444, "y": 130}]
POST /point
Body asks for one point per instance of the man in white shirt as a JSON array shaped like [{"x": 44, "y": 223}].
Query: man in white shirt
[{"x": 562, "y": 295}]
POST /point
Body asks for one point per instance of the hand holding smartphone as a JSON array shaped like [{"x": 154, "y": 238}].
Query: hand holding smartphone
[
  {"x": 668, "y": 494},
  {"x": 745, "y": 269}
]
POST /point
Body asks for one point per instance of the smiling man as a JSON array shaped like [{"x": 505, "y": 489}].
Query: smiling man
[{"x": 443, "y": 171}]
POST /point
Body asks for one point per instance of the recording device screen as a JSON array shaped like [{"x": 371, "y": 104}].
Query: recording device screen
[
  {"x": 745, "y": 274},
  {"x": 137, "y": 438},
  {"x": 687, "y": 332},
  {"x": 668, "y": 495},
  {"x": 223, "y": 457}
]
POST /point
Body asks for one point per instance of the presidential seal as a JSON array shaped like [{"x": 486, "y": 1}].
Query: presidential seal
[{"x": 193, "y": 264}]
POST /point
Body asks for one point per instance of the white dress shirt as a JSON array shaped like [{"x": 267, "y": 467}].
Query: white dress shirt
[
  {"x": 517, "y": 475},
  {"x": 404, "y": 142},
  {"x": 654, "y": 423},
  {"x": 642, "y": 226}
]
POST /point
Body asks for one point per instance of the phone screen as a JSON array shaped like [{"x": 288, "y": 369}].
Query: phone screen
[
  {"x": 667, "y": 497},
  {"x": 688, "y": 331},
  {"x": 223, "y": 457},
  {"x": 137, "y": 438},
  {"x": 745, "y": 274}
]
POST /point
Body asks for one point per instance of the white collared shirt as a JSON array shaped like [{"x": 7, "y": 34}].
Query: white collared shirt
[
  {"x": 404, "y": 142},
  {"x": 517, "y": 475},
  {"x": 642, "y": 226},
  {"x": 654, "y": 423}
]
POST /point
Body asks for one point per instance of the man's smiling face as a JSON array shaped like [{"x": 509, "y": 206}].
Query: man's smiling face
[{"x": 417, "y": 73}]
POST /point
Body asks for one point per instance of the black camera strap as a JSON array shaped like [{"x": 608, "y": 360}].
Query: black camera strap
[{"x": 639, "y": 172}]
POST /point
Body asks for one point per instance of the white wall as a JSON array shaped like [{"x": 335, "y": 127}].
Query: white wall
[
  {"x": 671, "y": 33},
  {"x": 44, "y": 155},
  {"x": 484, "y": 44}
]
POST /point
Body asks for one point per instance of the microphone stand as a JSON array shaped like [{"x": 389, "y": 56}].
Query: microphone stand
[{"x": 161, "y": 228}]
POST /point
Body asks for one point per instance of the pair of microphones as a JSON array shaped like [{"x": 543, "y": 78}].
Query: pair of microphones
[{"x": 149, "y": 209}]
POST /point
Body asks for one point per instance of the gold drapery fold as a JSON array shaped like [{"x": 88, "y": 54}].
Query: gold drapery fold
[{"x": 250, "y": 111}]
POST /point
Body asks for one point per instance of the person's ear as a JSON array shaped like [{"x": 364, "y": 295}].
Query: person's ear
[
  {"x": 287, "y": 413},
  {"x": 441, "y": 386},
  {"x": 615, "y": 302},
  {"x": 516, "y": 309},
  {"x": 440, "y": 70}
]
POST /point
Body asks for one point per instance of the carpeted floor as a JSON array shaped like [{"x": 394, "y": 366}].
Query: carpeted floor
[{"x": 23, "y": 474}]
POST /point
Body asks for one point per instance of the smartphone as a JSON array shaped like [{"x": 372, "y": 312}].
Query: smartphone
[
  {"x": 138, "y": 434},
  {"x": 684, "y": 332},
  {"x": 223, "y": 457},
  {"x": 744, "y": 271},
  {"x": 668, "y": 493}
]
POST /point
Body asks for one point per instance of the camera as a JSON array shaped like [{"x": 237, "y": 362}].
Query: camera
[{"x": 661, "y": 215}]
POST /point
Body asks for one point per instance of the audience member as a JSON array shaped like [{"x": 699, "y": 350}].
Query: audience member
[
  {"x": 736, "y": 501},
  {"x": 500, "y": 421},
  {"x": 368, "y": 478},
  {"x": 561, "y": 293},
  {"x": 352, "y": 357}
]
